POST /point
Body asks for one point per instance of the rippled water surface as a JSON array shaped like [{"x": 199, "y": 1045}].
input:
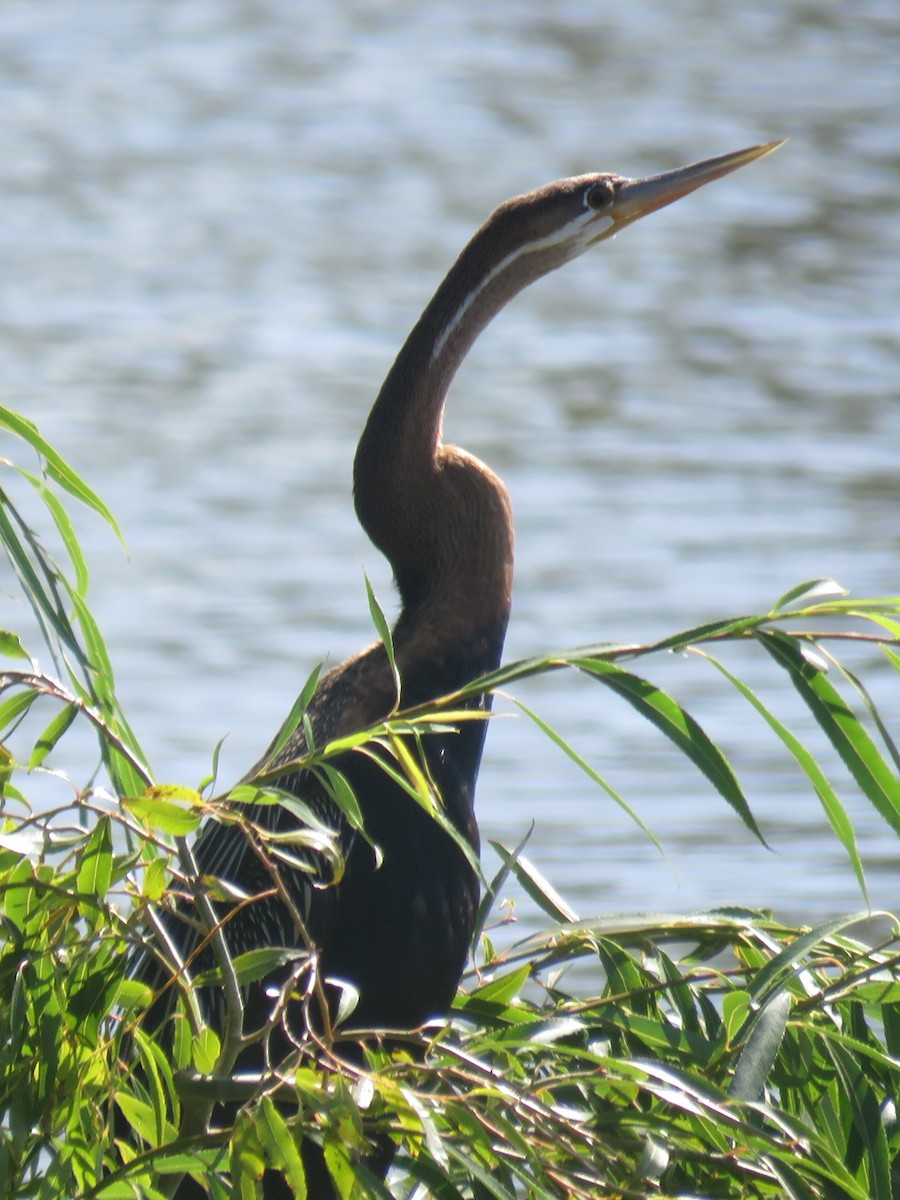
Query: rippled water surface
[{"x": 219, "y": 222}]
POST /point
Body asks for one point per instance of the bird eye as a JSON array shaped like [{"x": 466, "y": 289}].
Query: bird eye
[{"x": 600, "y": 194}]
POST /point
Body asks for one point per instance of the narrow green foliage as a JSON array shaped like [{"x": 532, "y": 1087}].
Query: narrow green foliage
[
  {"x": 96, "y": 862},
  {"x": 59, "y": 603},
  {"x": 758, "y": 1056},
  {"x": 295, "y": 717},
  {"x": 279, "y": 1145},
  {"x": 172, "y": 811},
  {"x": 493, "y": 888},
  {"x": 588, "y": 770},
  {"x": 11, "y": 645},
  {"x": 57, "y": 468},
  {"x": 51, "y": 735},
  {"x": 835, "y": 812},
  {"x": 872, "y": 773},
  {"x": 717, "y": 1054},
  {"x": 532, "y": 881},
  {"x": 812, "y": 591},
  {"x": 678, "y": 725},
  {"x": 380, "y": 621}
]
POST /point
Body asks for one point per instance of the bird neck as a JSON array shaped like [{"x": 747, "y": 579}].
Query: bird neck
[{"x": 439, "y": 515}]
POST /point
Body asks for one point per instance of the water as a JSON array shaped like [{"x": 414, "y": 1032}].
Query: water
[{"x": 219, "y": 222}]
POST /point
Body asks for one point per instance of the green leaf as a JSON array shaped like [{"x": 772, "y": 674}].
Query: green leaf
[
  {"x": 139, "y": 1115},
  {"x": 533, "y": 882},
  {"x": 66, "y": 530},
  {"x": 95, "y": 865},
  {"x": 492, "y": 891},
  {"x": 758, "y": 1056},
  {"x": 576, "y": 758},
  {"x": 51, "y": 735},
  {"x": 206, "y": 1048},
  {"x": 11, "y": 646},
  {"x": 57, "y": 467},
  {"x": 155, "y": 879},
  {"x": 295, "y": 717},
  {"x": 678, "y": 725},
  {"x": 165, "y": 815},
  {"x": 175, "y": 794},
  {"x": 860, "y": 1102},
  {"x": 279, "y": 1145},
  {"x": 17, "y": 704},
  {"x": 735, "y": 1010},
  {"x": 872, "y": 773},
  {"x": 425, "y": 798},
  {"x": 810, "y": 591},
  {"x": 252, "y": 965},
  {"x": 380, "y": 621},
  {"x": 504, "y": 989},
  {"x": 834, "y": 810},
  {"x": 769, "y": 977},
  {"x": 42, "y": 595},
  {"x": 247, "y": 1163}
]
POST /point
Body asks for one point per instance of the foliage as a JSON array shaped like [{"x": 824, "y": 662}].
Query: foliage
[{"x": 716, "y": 1055}]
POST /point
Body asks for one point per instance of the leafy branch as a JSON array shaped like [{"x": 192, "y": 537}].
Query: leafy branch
[{"x": 718, "y": 1053}]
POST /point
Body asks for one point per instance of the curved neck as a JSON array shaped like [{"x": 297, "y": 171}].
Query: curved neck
[{"x": 441, "y": 517}]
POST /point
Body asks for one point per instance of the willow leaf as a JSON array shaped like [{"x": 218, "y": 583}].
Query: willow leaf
[
  {"x": 51, "y": 735},
  {"x": 295, "y": 717},
  {"x": 786, "y": 960},
  {"x": 44, "y": 600},
  {"x": 862, "y": 1106},
  {"x": 537, "y": 887},
  {"x": 95, "y": 865},
  {"x": 870, "y": 770},
  {"x": 834, "y": 810},
  {"x": 383, "y": 628},
  {"x": 863, "y": 692},
  {"x": 492, "y": 890},
  {"x": 57, "y": 467},
  {"x": 678, "y": 725},
  {"x": 11, "y": 646},
  {"x": 758, "y": 1056},
  {"x": 66, "y": 530},
  {"x": 815, "y": 590},
  {"x": 576, "y": 758},
  {"x": 280, "y": 1147}
]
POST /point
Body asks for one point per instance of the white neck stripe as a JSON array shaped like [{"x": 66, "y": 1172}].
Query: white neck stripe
[{"x": 559, "y": 236}]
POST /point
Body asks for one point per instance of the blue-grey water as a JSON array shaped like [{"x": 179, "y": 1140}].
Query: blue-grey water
[{"x": 219, "y": 221}]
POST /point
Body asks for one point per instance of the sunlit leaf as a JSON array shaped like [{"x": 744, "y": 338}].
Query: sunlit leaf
[
  {"x": 16, "y": 706},
  {"x": 163, "y": 809},
  {"x": 873, "y": 775},
  {"x": 206, "y": 1048},
  {"x": 809, "y": 592},
  {"x": 95, "y": 869},
  {"x": 11, "y": 646},
  {"x": 758, "y": 1056},
  {"x": 538, "y": 888},
  {"x": 48, "y": 740},
  {"x": 831, "y": 804},
  {"x": 380, "y": 621},
  {"x": 66, "y": 531},
  {"x": 596, "y": 778},
  {"x": 57, "y": 467},
  {"x": 678, "y": 725},
  {"x": 295, "y": 717},
  {"x": 280, "y": 1146},
  {"x": 252, "y": 965}
]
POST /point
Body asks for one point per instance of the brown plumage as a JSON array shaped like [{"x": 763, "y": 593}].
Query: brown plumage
[{"x": 400, "y": 932}]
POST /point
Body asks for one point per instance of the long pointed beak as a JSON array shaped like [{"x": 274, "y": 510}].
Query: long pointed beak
[{"x": 637, "y": 197}]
